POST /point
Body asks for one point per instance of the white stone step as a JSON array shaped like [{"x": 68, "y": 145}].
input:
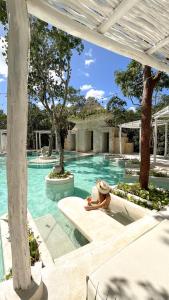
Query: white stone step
[{"x": 54, "y": 236}]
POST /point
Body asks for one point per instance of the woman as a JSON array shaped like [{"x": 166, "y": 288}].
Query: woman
[{"x": 103, "y": 198}]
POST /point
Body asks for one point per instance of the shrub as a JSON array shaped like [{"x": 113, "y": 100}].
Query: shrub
[
  {"x": 54, "y": 174},
  {"x": 157, "y": 198},
  {"x": 34, "y": 251}
]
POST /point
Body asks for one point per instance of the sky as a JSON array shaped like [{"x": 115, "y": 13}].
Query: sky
[{"x": 92, "y": 73}]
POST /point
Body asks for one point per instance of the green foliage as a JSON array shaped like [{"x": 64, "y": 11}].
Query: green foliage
[
  {"x": 3, "y": 13},
  {"x": 130, "y": 81},
  {"x": 54, "y": 174},
  {"x": 50, "y": 73},
  {"x": 8, "y": 275},
  {"x": 158, "y": 197},
  {"x": 34, "y": 252},
  {"x": 33, "y": 247},
  {"x": 3, "y": 120}
]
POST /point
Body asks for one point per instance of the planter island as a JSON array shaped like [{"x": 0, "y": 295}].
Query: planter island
[{"x": 57, "y": 188}]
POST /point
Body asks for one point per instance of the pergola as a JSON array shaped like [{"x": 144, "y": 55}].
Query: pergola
[
  {"x": 161, "y": 118},
  {"x": 137, "y": 29},
  {"x": 38, "y": 134}
]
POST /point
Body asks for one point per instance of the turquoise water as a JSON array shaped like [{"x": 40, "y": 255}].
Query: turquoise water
[{"x": 86, "y": 171}]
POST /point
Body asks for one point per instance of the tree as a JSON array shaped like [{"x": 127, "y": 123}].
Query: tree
[
  {"x": 3, "y": 14},
  {"x": 50, "y": 73},
  {"x": 142, "y": 84},
  {"x": 120, "y": 114},
  {"x": 3, "y": 120}
]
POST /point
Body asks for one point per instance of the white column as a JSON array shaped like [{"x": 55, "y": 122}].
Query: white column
[
  {"x": 17, "y": 109},
  {"x": 36, "y": 141},
  {"x": 155, "y": 140},
  {"x": 120, "y": 145},
  {"x": 166, "y": 139},
  {"x": 40, "y": 140}
]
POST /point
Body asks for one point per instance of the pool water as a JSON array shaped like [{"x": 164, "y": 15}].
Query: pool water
[{"x": 86, "y": 171}]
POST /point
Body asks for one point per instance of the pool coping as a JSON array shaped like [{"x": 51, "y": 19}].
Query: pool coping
[{"x": 45, "y": 255}]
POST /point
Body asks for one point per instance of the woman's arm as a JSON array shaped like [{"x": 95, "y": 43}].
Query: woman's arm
[
  {"x": 96, "y": 206},
  {"x": 90, "y": 201}
]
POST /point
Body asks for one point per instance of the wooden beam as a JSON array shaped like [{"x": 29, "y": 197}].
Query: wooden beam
[
  {"x": 18, "y": 45},
  {"x": 116, "y": 14},
  {"x": 157, "y": 46},
  {"x": 47, "y": 13}
]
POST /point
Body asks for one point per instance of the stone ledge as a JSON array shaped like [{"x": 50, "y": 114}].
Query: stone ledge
[
  {"x": 6, "y": 246},
  {"x": 60, "y": 181}
]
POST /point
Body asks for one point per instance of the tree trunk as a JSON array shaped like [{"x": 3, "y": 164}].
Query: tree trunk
[
  {"x": 148, "y": 87},
  {"x": 61, "y": 150},
  {"x": 50, "y": 143}
]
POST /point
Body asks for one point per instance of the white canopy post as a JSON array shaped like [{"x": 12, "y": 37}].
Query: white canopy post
[
  {"x": 40, "y": 146},
  {"x": 155, "y": 140},
  {"x": 36, "y": 134},
  {"x": 120, "y": 145},
  {"x": 18, "y": 46},
  {"x": 166, "y": 140}
]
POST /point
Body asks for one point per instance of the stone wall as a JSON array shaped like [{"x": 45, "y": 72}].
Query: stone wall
[{"x": 105, "y": 139}]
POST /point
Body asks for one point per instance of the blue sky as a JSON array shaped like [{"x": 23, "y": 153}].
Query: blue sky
[{"x": 92, "y": 72}]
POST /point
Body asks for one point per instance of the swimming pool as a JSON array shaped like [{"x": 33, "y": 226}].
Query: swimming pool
[{"x": 86, "y": 171}]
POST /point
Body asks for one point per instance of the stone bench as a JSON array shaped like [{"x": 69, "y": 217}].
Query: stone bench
[{"x": 94, "y": 225}]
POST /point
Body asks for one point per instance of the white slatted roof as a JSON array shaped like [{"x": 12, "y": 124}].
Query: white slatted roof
[
  {"x": 164, "y": 113},
  {"x": 161, "y": 116},
  {"x": 134, "y": 28}
]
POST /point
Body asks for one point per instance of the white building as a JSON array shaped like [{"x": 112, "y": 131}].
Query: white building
[{"x": 94, "y": 135}]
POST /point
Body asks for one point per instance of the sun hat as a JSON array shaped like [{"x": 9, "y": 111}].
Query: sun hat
[{"x": 102, "y": 187}]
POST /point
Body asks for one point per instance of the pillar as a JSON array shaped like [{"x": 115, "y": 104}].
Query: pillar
[
  {"x": 166, "y": 140},
  {"x": 40, "y": 140},
  {"x": 17, "y": 110},
  {"x": 120, "y": 145},
  {"x": 36, "y": 141},
  {"x": 155, "y": 140}
]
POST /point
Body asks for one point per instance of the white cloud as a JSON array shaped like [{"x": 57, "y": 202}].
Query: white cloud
[
  {"x": 69, "y": 104},
  {"x": 89, "y": 53},
  {"x": 88, "y": 62},
  {"x": 86, "y": 74},
  {"x": 2, "y": 79},
  {"x": 56, "y": 78},
  {"x": 40, "y": 105},
  {"x": 98, "y": 94},
  {"x": 3, "y": 65},
  {"x": 86, "y": 87},
  {"x": 132, "y": 108}
]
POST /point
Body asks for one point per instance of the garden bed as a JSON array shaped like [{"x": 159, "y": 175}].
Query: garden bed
[{"x": 154, "y": 198}]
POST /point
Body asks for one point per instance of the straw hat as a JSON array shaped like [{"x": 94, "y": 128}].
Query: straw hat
[{"x": 103, "y": 187}]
